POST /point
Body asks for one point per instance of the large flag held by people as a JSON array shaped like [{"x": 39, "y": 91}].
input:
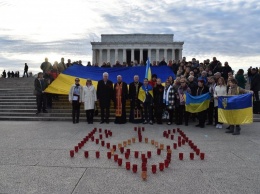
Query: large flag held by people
[
  {"x": 196, "y": 104},
  {"x": 235, "y": 110},
  {"x": 66, "y": 79}
]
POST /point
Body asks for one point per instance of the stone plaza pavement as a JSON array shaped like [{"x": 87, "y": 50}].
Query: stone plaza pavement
[{"x": 34, "y": 158}]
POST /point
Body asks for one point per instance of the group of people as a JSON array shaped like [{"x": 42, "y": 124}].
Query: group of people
[
  {"x": 15, "y": 74},
  {"x": 149, "y": 99}
]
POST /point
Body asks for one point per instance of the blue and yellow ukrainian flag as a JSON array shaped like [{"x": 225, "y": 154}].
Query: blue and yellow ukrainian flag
[
  {"x": 63, "y": 83},
  {"x": 196, "y": 104},
  {"x": 235, "y": 110},
  {"x": 148, "y": 73}
]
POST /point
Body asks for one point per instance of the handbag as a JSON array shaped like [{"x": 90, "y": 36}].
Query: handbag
[{"x": 165, "y": 114}]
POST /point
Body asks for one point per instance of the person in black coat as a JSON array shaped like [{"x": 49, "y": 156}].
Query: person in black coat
[
  {"x": 104, "y": 96},
  {"x": 135, "y": 108},
  {"x": 255, "y": 83},
  {"x": 120, "y": 97},
  {"x": 202, "y": 89},
  {"x": 40, "y": 84},
  {"x": 158, "y": 100}
]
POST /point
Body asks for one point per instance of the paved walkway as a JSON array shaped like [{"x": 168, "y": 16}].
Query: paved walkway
[{"x": 34, "y": 158}]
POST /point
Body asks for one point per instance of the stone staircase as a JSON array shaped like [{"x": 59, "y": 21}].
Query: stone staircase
[{"x": 18, "y": 103}]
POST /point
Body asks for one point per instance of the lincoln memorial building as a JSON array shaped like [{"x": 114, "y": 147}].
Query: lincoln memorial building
[{"x": 131, "y": 47}]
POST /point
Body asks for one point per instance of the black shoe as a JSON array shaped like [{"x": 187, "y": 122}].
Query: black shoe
[
  {"x": 102, "y": 122},
  {"x": 228, "y": 127},
  {"x": 145, "y": 122},
  {"x": 37, "y": 112},
  {"x": 151, "y": 122},
  {"x": 209, "y": 123},
  {"x": 77, "y": 121},
  {"x": 74, "y": 122},
  {"x": 202, "y": 126},
  {"x": 236, "y": 133},
  {"x": 45, "y": 111},
  {"x": 169, "y": 123},
  {"x": 186, "y": 124},
  {"x": 159, "y": 123},
  {"x": 198, "y": 125},
  {"x": 107, "y": 122}
]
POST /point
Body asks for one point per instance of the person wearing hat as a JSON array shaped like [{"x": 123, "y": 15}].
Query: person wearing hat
[
  {"x": 75, "y": 98},
  {"x": 89, "y": 98},
  {"x": 202, "y": 89}
]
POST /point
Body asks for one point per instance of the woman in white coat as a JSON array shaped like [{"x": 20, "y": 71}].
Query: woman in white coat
[
  {"x": 220, "y": 90},
  {"x": 89, "y": 99}
]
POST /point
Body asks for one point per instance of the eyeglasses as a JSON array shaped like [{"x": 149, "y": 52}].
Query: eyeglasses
[{"x": 76, "y": 80}]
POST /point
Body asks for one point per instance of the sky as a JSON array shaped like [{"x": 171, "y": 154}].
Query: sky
[{"x": 31, "y": 30}]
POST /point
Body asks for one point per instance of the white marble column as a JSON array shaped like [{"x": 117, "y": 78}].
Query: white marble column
[
  {"x": 124, "y": 56},
  {"x": 94, "y": 56},
  {"x": 157, "y": 55},
  {"x": 150, "y": 54},
  {"x": 100, "y": 57},
  {"x": 165, "y": 56},
  {"x": 141, "y": 56},
  {"x": 108, "y": 55},
  {"x": 180, "y": 54},
  {"x": 116, "y": 55},
  {"x": 132, "y": 54},
  {"x": 173, "y": 54}
]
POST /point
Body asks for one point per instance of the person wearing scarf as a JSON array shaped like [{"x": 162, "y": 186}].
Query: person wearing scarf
[
  {"x": 158, "y": 91},
  {"x": 202, "y": 89},
  {"x": 146, "y": 99},
  {"x": 168, "y": 99},
  {"x": 181, "y": 100},
  {"x": 75, "y": 98}
]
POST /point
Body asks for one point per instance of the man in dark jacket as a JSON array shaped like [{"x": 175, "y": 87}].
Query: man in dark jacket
[
  {"x": 40, "y": 84},
  {"x": 135, "y": 108},
  {"x": 225, "y": 70},
  {"x": 104, "y": 96},
  {"x": 25, "y": 70},
  {"x": 255, "y": 83}
]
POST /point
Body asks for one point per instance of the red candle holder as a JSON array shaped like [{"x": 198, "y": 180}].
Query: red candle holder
[
  {"x": 105, "y": 130},
  {"x": 92, "y": 138},
  {"x": 181, "y": 156},
  {"x": 183, "y": 141},
  {"x": 197, "y": 151},
  {"x": 154, "y": 168},
  {"x": 110, "y": 133},
  {"x": 168, "y": 147},
  {"x": 109, "y": 155},
  {"x": 114, "y": 147},
  {"x": 122, "y": 150},
  {"x": 149, "y": 154},
  {"x": 143, "y": 129},
  {"x": 108, "y": 145},
  {"x": 144, "y": 160},
  {"x": 134, "y": 168},
  {"x": 97, "y": 141},
  {"x": 126, "y": 155},
  {"x": 172, "y": 137},
  {"x": 192, "y": 156},
  {"x": 76, "y": 148},
  {"x": 166, "y": 163},
  {"x": 140, "y": 138},
  {"x": 100, "y": 130},
  {"x": 115, "y": 157},
  {"x": 202, "y": 156},
  {"x": 127, "y": 165},
  {"x": 175, "y": 146},
  {"x": 128, "y": 151},
  {"x": 142, "y": 156},
  {"x": 79, "y": 145},
  {"x": 136, "y": 154},
  {"x": 72, "y": 153},
  {"x": 135, "y": 128},
  {"x": 100, "y": 136},
  {"x": 86, "y": 154},
  {"x": 119, "y": 161},
  {"x": 97, "y": 154},
  {"x": 179, "y": 143},
  {"x": 158, "y": 151},
  {"x": 174, "y": 130},
  {"x": 102, "y": 143},
  {"x": 161, "y": 166}
]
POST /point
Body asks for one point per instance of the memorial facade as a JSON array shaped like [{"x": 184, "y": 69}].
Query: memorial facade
[{"x": 135, "y": 47}]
